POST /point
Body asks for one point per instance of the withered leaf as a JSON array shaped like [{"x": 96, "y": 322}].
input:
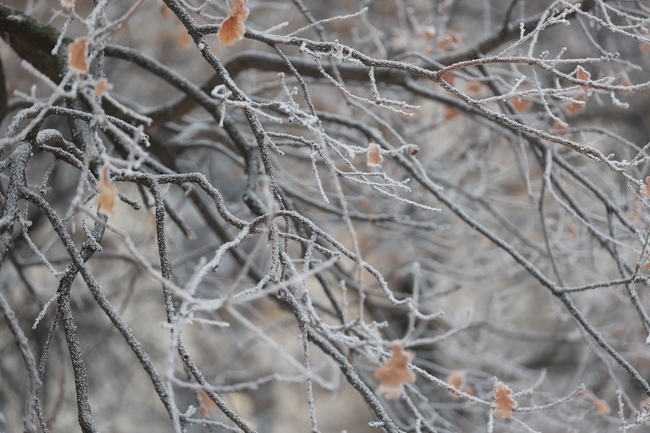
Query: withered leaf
[{"x": 395, "y": 373}]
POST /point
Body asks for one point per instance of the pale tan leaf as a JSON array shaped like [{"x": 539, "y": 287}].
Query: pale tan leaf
[
  {"x": 450, "y": 41},
  {"x": 184, "y": 39},
  {"x": 233, "y": 29},
  {"x": 374, "y": 156},
  {"x": 102, "y": 86},
  {"x": 575, "y": 108},
  {"x": 451, "y": 113},
  {"x": 78, "y": 55},
  {"x": 520, "y": 105},
  {"x": 503, "y": 401},
  {"x": 645, "y": 189},
  {"x": 107, "y": 198},
  {"x": 395, "y": 373},
  {"x": 583, "y": 74},
  {"x": 456, "y": 379}
]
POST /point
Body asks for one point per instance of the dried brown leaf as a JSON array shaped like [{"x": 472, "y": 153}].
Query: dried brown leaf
[
  {"x": 451, "y": 113},
  {"x": 450, "y": 41},
  {"x": 184, "y": 39},
  {"x": 78, "y": 55},
  {"x": 427, "y": 33},
  {"x": 107, "y": 198},
  {"x": 584, "y": 75},
  {"x": 165, "y": 11},
  {"x": 456, "y": 379},
  {"x": 476, "y": 88},
  {"x": 206, "y": 405},
  {"x": 645, "y": 189},
  {"x": 601, "y": 405},
  {"x": 625, "y": 80},
  {"x": 520, "y": 105},
  {"x": 102, "y": 86},
  {"x": 233, "y": 29},
  {"x": 503, "y": 401},
  {"x": 374, "y": 157},
  {"x": 575, "y": 108},
  {"x": 395, "y": 373},
  {"x": 448, "y": 77}
]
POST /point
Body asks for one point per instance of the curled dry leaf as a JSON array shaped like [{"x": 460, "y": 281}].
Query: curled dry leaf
[
  {"x": 66, "y": 4},
  {"x": 396, "y": 372},
  {"x": 645, "y": 189},
  {"x": 456, "y": 379},
  {"x": 625, "y": 80},
  {"x": 476, "y": 88},
  {"x": 107, "y": 198},
  {"x": 644, "y": 47},
  {"x": 520, "y": 105},
  {"x": 184, "y": 39},
  {"x": 449, "y": 78},
  {"x": 601, "y": 405},
  {"x": 78, "y": 55},
  {"x": 503, "y": 401},
  {"x": 451, "y": 113},
  {"x": 584, "y": 75},
  {"x": 165, "y": 11},
  {"x": 575, "y": 108},
  {"x": 644, "y": 404},
  {"x": 373, "y": 155},
  {"x": 206, "y": 405},
  {"x": 427, "y": 33},
  {"x": 102, "y": 86},
  {"x": 450, "y": 41},
  {"x": 233, "y": 29}
]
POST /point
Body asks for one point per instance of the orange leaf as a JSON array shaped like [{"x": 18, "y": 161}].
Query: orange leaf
[
  {"x": 601, "y": 405},
  {"x": 427, "y": 33},
  {"x": 451, "y": 113},
  {"x": 184, "y": 38},
  {"x": 165, "y": 11},
  {"x": 456, "y": 379},
  {"x": 503, "y": 401},
  {"x": 448, "y": 77},
  {"x": 575, "y": 108},
  {"x": 373, "y": 155},
  {"x": 450, "y": 41},
  {"x": 78, "y": 55},
  {"x": 102, "y": 86},
  {"x": 395, "y": 373},
  {"x": 557, "y": 126},
  {"x": 583, "y": 74},
  {"x": 107, "y": 198},
  {"x": 520, "y": 105},
  {"x": 645, "y": 189},
  {"x": 206, "y": 405},
  {"x": 233, "y": 29},
  {"x": 477, "y": 88}
]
